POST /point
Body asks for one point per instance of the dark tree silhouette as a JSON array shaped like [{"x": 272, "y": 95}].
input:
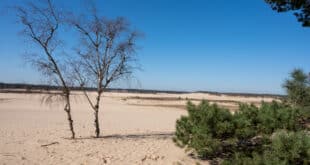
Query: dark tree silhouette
[
  {"x": 301, "y": 9},
  {"x": 41, "y": 22}
]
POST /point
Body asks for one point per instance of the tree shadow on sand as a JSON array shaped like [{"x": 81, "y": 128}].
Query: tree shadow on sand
[{"x": 166, "y": 135}]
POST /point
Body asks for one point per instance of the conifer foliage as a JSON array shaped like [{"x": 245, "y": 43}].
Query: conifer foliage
[{"x": 269, "y": 134}]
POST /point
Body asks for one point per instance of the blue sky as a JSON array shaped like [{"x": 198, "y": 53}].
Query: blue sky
[{"x": 228, "y": 46}]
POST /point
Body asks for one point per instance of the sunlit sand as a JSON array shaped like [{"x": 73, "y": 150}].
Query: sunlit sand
[{"x": 136, "y": 128}]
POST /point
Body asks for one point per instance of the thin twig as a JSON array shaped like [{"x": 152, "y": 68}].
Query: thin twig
[{"x": 46, "y": 145}]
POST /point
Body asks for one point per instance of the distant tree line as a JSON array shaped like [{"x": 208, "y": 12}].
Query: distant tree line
[{"x": 78, "y": 88}]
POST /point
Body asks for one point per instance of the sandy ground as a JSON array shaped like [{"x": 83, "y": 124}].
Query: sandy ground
[{"x": 136, "y": 129}]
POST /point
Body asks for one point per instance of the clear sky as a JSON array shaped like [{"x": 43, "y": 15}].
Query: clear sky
[{"x": 228, "y": 46}]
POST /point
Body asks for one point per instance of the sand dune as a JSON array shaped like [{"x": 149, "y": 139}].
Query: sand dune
[{"x": 135, "y": 130}]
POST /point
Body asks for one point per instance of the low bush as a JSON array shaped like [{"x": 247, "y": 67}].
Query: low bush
[
  {"x": 204, "y": 129},
  {"x": 285, "y": 148},
  {"x": 251, "y": 120},
  {"x": 249, "y": 136}
]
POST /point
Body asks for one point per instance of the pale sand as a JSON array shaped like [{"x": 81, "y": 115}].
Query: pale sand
[{"x": 134, "y": 130}]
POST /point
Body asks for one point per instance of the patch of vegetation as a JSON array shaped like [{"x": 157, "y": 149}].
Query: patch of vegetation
[
  {"x": 298, "y": 91},
  {"x": 285, "y": 148},
  {"x": 212, "y": 132},
  {"x": 300, "y": 8},
  {"x": 274, "y": 133}
]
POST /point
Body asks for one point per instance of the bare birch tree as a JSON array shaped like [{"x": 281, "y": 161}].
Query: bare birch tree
[
  {"x": 107, "y": 54},
  {"x": 41, "y": 23}
]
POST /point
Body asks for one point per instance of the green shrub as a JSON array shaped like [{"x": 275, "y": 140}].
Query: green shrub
[
  {"x": 274, "y": 133},
  {"x": 251, "y": 120},
  {"x": 286, "y": 148},
  {"x": 298, "y": 92},
  {"x": 298, "y": 88},
  {"x": 291, "y": 147},
  {"x": 213, "y": 132},
  {"x": 204, "y": 129},
  {"x": 245, "y": 121},
  {"x": 274, "y": 116}
]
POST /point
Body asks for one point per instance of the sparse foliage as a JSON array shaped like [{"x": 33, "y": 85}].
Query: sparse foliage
[
  {"x": 106, "y": 54},
  {"x": 41, "y": 22}
]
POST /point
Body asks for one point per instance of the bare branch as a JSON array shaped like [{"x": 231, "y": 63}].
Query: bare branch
[
  {"x": 40, "y": 24},
  {"x": 108, "y": 51},
  {"x": 77, "y": 75}
]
